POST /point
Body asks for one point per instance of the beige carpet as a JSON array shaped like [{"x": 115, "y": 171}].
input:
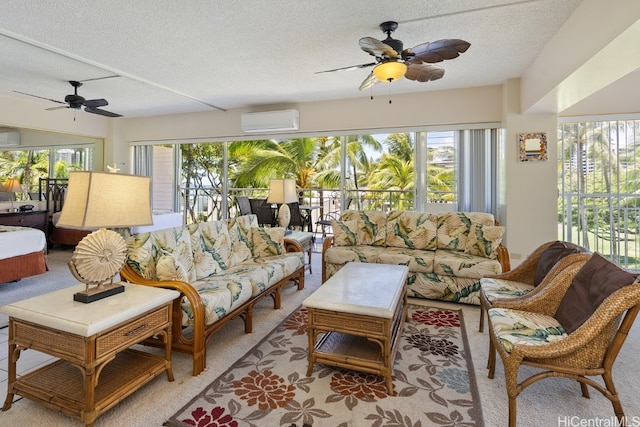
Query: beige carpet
[{"x": 543, "y": 404}]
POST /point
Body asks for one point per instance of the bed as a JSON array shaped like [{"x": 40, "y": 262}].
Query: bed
[
  {"x": 53, "y": 191},
  {"x": 22, "y": 253}
]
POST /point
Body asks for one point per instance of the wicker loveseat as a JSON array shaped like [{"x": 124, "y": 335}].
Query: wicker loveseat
[
  {"x": 221, "y": 268},
  {"x": 447, "y": 253}
]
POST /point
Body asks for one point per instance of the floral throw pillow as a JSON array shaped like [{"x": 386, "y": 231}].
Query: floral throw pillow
[
  {"x": 345, "y": 233},
  {"x": 169, "y": 268},
  {"x": 483, "y": 240},
  {"x": 267, "y": 242}
]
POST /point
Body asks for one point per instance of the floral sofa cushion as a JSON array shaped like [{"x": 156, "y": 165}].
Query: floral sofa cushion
[
  {"x": 372, "y": 226},
  {"x": 515, "y": 327},
  {"x": 267, "y": 242},
  {"x": 483, "y": 240},
  {"x": 145, "y": 249},
  {"x": 416, "y": 260},
  {"x": 362, "y": 253},
  {"x": 240, "y": 234},
  {"x": 220, "y": 295},
  {"x": 443, "y": 288},
  {"x": 460, "y": 264},
  {"x": 211, "y": 246},
  {"x": 345, "y": 233},
  {"x": 495, "y": 289},
  {"x": 169, "y": 268},
  {"x": 412, "y": 230},
  {"x": 454, "y": 227}
]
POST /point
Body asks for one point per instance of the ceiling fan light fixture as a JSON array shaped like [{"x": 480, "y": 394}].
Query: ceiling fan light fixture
[{"x": 390, "y": 71}]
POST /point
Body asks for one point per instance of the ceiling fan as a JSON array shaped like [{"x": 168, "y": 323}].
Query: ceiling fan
[
  {"x": 76, "y": 102},
  {"x": 394, "y": 62}
]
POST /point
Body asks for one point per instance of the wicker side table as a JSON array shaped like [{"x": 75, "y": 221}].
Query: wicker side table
[
  {"x": 306, "y": 241},
  {"x": 93, "y": 337}
]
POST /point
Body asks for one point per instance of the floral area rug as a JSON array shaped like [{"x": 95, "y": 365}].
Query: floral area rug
[{"x": 433, "y": 383}]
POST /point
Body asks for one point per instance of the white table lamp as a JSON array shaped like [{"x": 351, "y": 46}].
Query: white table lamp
[
  {"x": 12, "y": 185},
  {"x": 281, "y": 192},
  {"x": 103, "y": 200}
]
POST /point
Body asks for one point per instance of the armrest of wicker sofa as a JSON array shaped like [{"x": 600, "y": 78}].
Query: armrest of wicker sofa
[{"x": 187, "y": 291}]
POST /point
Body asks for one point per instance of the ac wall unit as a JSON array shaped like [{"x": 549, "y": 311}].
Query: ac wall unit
[
  {"x": 9, "y": 137},
  {"x": 270, "y": 121}
]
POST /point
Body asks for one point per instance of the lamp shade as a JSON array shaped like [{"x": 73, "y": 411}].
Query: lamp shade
[
  {"x": 390, "y": 71},
  {"x": 12, "y": 185},
  {"x": 106, "y": 200},
  {"x": 282, "y": 191}
]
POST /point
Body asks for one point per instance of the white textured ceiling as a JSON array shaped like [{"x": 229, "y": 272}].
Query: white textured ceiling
[{"x": 176, "y": 56}]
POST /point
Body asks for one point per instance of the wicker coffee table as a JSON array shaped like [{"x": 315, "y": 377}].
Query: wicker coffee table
[{"x": 356, "y": 318}]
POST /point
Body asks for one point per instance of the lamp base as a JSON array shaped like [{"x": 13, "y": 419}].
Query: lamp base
[
  {"x": 98, "y": 293},
  {"x": 284, "y": 215}
]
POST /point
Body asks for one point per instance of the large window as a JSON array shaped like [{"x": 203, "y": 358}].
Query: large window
[
  {"x": 599, "y": 203},
  {"x": 28, "y": 166},
  {"x": 456, "y": 171}
]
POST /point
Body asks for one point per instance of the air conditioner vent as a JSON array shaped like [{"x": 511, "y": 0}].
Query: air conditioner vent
[
  {"x": 270, "y": 121},
  {"x": 9, "y": 137}
]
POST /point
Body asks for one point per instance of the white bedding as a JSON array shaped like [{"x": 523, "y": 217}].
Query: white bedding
[
  {"x": 160, "y": 222},
  {"x": 16, "y": 241}
]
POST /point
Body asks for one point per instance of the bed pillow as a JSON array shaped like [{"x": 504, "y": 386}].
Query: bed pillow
[
  {"x": 550, "y": 257},
  {"x": 267, "y": 242},
  {"x": 345, "y": 233},
  {"x": 483, "y": 240},
  {"x": 595, "y": 281}
]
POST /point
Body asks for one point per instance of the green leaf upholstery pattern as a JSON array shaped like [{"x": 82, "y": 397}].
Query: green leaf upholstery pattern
[
  {"x": 267, "y": 241},
  {"x": 372, "y": 226},
  {"x": 433, "y": 246},
  {"x": 218, "y": 258},
  {"x": 524, "y": 328},
  {"x": 500, "y": 288},
  {"x": 483, "y": 240},
  {"x": 145, "y": 249},
  {"x": 412, "y": 230},
  {"x": 345, "y": 233},
  {"x": 211, "y": 247},
  {"x": 454, "y": 227}
]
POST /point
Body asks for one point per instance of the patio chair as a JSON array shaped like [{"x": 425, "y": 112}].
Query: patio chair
[
  {"x": 243, "y": 205},
  {"x": 263, "y": 212},
  {"x": 297, "y": 220},
  {"x": 575, "y": 329},
  {"x": 531, "y": 275}
]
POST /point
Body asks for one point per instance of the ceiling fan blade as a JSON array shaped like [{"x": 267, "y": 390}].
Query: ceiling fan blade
[
  {"x": 94, "y": 103},
  {"x": 370, "y": 81},
  {"x": 41, "y": 97},
  {"x": 424, "y": 72},
  {"x": 377, "y": 48},
  {"x": 352, "y": 67},
  {"x": 436, "y": 51},
  {"x": 57, "y": 108},
  {"x": 101, "y": 112}
]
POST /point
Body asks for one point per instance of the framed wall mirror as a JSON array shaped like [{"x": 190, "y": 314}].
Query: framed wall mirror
[{"x": 532, "y": 147}]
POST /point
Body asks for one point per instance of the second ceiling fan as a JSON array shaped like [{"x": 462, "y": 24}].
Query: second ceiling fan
[{"x": 394, "y": 62}]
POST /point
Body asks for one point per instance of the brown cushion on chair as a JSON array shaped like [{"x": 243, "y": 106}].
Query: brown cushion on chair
[
  {"x": 595, "y": 281},
  {"x": 550, "y": 257}
]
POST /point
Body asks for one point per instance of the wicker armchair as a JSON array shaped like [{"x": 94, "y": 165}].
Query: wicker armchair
[
  {"x": 503, "y": 290},
  {"x": 590, "y": 350}
]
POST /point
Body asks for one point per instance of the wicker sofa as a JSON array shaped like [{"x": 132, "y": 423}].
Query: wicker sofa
[
  {"x": 447, "y": 253},
  {"x": 221, "y": 268}
]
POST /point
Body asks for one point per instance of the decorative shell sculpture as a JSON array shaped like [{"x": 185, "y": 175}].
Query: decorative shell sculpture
[{"x": 98, "y": 257}]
